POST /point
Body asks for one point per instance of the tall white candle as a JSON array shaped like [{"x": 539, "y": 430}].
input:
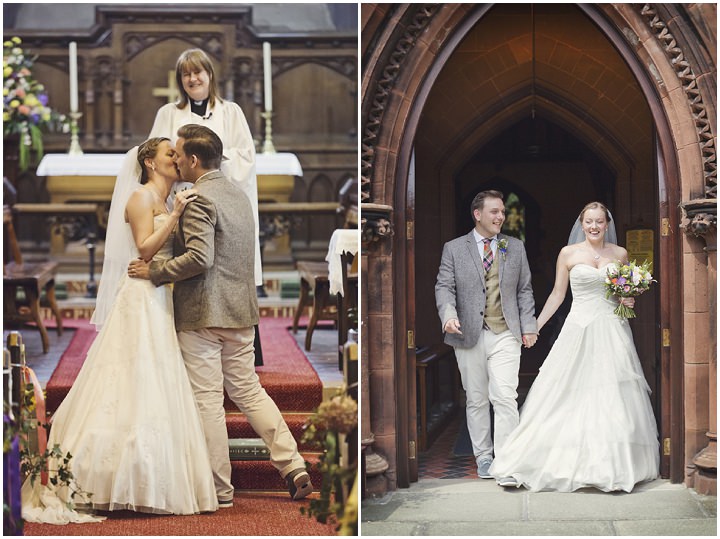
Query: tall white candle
[
  {"x": 73, "y": 77},
  {"x": 267, "y": 69}
]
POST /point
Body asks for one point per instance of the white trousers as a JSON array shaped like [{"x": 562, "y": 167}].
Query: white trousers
[
  {"x": 217, "y": 358},
  {"x": 489, "y": 373}
]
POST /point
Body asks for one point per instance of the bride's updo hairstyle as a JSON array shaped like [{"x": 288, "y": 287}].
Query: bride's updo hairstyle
[
  {"x": 148, "y": 150},
  {"x": 595, "y": 206}
]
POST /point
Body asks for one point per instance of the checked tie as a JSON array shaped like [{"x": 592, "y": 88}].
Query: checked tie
[{"x": 487, "y": 254}]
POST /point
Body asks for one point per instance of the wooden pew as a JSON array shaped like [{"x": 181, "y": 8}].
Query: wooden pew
[{"x": 31, "y": 278}]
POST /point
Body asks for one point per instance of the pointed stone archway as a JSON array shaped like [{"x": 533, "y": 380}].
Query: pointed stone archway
[{"x": 406, "y": 50}]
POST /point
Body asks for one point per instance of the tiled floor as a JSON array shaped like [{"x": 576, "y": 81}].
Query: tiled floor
[
  {"x": 439, "y": 462},
  {"x": 323, "y": 354},
  {"x": 43, "y": 364}
]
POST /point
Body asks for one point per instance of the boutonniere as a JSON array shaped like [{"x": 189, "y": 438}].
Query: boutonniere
[{"x": 502, "y": 246}]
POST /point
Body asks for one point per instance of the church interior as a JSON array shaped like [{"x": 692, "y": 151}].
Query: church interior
[{"x": 106, "y": 69}]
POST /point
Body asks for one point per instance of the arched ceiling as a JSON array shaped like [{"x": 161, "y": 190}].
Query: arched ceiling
[{"x": 579, "y": 81}]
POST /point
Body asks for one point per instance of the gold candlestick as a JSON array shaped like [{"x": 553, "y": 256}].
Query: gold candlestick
[
  {"x": 75, "y": 148},
  {"x": 268, "y": 144}
]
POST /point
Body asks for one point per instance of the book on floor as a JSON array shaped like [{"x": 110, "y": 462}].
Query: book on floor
[{"x": 248, "y": 449}]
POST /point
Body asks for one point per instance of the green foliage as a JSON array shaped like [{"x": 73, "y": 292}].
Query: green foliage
[{"x": 53, "y": 460}]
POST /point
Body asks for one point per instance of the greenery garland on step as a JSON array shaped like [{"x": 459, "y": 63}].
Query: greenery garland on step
[{"x": 53, "y": 461}]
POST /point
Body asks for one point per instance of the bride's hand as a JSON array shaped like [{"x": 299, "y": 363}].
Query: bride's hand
[
  {"x": 628, "y": 302},
  {"x": 182, "y": 198},
  {"x": 529, "y": 339}
]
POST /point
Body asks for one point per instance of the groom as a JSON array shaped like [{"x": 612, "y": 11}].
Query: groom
[
  {"x": 486, "y": 306},
  {"x": 216, "y": 310}
]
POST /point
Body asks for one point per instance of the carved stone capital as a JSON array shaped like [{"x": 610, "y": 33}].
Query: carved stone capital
[
  {"x": 376, "y": 223},
  {"x": 700, "y": 219}
]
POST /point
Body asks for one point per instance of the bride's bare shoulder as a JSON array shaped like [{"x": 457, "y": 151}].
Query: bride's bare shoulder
[
  {"x": 570, "y": 250},
  {"x": 618, "y": 252}
]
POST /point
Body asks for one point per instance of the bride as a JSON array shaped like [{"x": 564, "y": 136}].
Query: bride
[
  {"x": 130, "y": 419},
  {"x": 587, "y": 420}
]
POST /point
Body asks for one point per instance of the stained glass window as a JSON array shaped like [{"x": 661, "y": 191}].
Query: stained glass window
[{"x": 514, "y": 217}]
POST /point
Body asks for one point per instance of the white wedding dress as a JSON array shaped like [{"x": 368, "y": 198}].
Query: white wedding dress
[
  {"x": 130, "y": 419},
  {"x": 587, "y": 420}
]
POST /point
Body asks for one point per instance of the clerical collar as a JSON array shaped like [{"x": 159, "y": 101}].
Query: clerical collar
[{"x": 199, "y": 107}]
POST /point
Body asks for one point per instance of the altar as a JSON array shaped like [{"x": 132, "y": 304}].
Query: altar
[{"x": 91, "y": 178}]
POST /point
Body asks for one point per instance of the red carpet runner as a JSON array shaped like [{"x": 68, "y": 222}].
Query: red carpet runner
[
  {"x": 288, "y": 378},
  {"x": 252, "y": 514}
]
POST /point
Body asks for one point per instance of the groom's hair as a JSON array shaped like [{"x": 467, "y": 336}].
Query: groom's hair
[
  {"x": 479, "y": 200},
  {"x": 203, "y": 143}
]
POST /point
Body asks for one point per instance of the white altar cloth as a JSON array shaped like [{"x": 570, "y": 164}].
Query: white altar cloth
[
  {"x": 108, "y": 164},
  {"x": 342, "y": 240}
]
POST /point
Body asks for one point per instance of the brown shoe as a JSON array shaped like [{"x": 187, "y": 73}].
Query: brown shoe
[{"x": 299, "y": 484}]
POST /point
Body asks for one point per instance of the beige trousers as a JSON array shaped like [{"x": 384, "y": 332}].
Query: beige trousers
[
  {"x": 489, "y": 374},
  {"x": 217, "y": 358}
]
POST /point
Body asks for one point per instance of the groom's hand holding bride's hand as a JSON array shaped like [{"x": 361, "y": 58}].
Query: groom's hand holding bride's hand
[
  {"x": 453, "y": 326},
  {"x": 529, "y": 339},
  {"x": 139, "y": 269}
]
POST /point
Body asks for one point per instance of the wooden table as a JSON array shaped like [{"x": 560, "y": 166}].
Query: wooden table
[{"x": 342, "y": 277}]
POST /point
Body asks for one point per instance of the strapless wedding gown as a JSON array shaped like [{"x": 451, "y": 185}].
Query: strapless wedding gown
[
  {"x": 130, "y": 419},
  {"x": 587, "y": 420}
]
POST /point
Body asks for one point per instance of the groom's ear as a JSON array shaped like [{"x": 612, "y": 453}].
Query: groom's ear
[{"x": 194, "y": 161}]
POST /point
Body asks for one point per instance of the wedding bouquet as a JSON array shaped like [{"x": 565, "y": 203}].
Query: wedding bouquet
[{"x": 625, "y": 281}]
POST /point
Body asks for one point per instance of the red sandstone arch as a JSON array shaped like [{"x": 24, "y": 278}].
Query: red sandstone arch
[{"x": 409, "y": 47}]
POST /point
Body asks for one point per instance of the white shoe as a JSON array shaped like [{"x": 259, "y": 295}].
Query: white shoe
[
  {"x": 483, "y": 469},
  {"x": 508, "y": 482}
]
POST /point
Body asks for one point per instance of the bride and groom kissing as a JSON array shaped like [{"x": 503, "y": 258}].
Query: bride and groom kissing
[
  {"x": 587, "y": 420},
  {"x": 145, "y": 420}
]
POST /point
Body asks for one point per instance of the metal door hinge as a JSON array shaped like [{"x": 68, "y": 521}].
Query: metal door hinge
[
  {"x": 410, "y": 229},
  {"x": 666, "y": 447},
  {"x": 411, "y": 339},
  {"x": 411, "y": 450},
  {"x": 666, "y": 337}
]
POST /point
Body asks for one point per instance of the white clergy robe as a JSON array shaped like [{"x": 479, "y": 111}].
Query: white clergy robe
[{"x": 227, "y": 120}]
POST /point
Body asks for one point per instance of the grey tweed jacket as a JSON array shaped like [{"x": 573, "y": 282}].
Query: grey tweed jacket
[
  {"x": 460, "y": 289},
  {"x": 214, "y": 259}
]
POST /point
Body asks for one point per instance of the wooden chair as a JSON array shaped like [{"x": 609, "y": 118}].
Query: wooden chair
[
  {"x": 31, "y": 278},
  {"x": 314, "y": 277}
]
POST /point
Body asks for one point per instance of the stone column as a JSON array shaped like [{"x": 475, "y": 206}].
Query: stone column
[
  {"x": 376, "y": 227},
  {"x": 701, "y": 220}
]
